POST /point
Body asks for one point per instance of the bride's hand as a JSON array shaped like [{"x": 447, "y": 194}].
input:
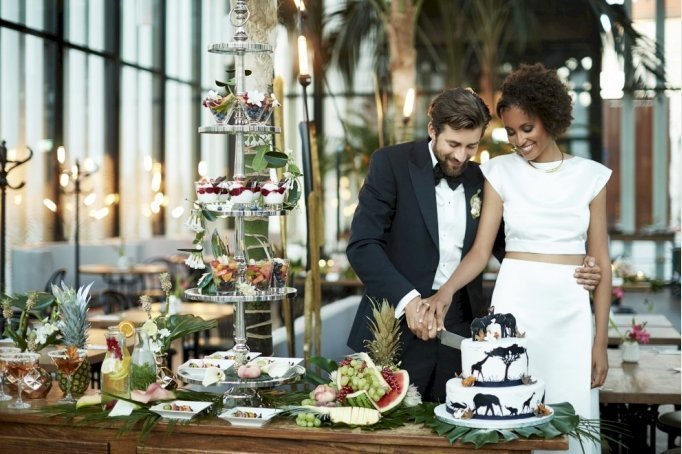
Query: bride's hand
[
  {"x": 439, "y": 303},
  {"x": 600, "y": 366}
]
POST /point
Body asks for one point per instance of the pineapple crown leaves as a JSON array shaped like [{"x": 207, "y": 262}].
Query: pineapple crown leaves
[
  {"x": 73, "y": 311},
  {"x": 385, "y": 328}
]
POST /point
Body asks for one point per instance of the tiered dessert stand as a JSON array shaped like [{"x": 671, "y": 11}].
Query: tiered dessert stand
[{"x": 241, "y": 391}]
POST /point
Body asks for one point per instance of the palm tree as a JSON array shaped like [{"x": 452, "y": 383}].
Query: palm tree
[
  {"x": 488, "y": 27},
  {"x": 391, "y": 27}
]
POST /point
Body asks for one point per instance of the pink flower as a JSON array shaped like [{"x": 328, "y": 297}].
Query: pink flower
[
  {"x": 638, "y": 333},
  {"x": 618, "y": 292}
]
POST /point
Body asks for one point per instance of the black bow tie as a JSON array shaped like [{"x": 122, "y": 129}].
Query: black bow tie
[{"x": 453, "y": 182}]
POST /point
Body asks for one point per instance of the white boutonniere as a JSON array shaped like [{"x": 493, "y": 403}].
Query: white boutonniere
[{"x": 475, "y": 203}]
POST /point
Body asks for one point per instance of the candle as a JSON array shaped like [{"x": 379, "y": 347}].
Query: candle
[
  {"x": 409, "y": 103},
  {"x": 61, "y": 155},
  {"x": 302, "y": 56}
]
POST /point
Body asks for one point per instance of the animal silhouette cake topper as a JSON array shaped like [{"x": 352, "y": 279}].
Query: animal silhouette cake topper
[{"x": 493, "y": 326}]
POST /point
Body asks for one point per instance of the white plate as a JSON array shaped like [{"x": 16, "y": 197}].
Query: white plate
[
  {"x": 197, "y": 407},
  {"x": 442, "y": 414},
  {"x": 266, "y": 415},
  {"x": 229, "y": 354},
  {"x": 199, "y": 368}
]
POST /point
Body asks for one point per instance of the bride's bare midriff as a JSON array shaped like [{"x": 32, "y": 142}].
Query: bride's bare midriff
[{"x": 561, "y": 259}]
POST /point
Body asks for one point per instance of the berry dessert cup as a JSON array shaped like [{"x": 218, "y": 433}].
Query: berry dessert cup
[
  {"x": 220, "y": 106},
  {"x": 273, "y": 194},
  {"x": 259, "y": 274},
  {"x": 280, "y": 275},
  {"x": 225, "y": 275},
  {"x": 211, "y": 191},
  {"x": 243, "y": 193}
]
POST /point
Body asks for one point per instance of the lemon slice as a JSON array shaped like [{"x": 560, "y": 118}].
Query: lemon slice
[
  {"x": 120, "y": 369},
  {"x": 127, "y": 328}
]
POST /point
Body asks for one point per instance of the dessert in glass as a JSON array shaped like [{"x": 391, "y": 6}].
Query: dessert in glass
[
  {"x": 18, "y": 365},
  {"x": 225, "y": 274},
  {"x": 243, "y": 193},
  {"x": 273, "y": 193},
  {"x": 280, "y": 275},
  {"x": 220, "y": 106},
  {"x": 211, "y": 190},
  {"x": 259, "y": 274},
  {"x": 5, "y": 351},
  {"x": 68, "y": 360}
]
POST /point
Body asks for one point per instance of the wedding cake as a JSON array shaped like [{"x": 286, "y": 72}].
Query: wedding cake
[{"x": 495, "y": 384}]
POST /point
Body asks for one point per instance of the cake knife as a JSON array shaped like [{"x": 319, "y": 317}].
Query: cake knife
[{"x": 450, "y": 339}]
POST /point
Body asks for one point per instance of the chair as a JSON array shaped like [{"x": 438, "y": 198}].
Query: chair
[
  {"x": 670, "y": 424},
  {"x": 201, "y": 344},
  {"x": 56, "y": 278},
  {"x": 114, "y": 301}
]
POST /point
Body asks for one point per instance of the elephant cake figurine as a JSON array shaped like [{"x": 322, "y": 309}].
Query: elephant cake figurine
[{"x": 495, "y": 383}]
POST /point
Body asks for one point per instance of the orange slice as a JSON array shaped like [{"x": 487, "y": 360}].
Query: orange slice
[{"x": 127, "y": 328}]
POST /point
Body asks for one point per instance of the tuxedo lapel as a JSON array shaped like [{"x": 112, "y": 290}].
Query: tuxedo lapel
[
  {"x": 421, "y": 175},
  {"x": 472, "y": 186}
]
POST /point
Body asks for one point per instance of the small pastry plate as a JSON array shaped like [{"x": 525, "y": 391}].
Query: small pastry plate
[
  {"x": 196, "y": 368},
  {"x": 187, "y": 409},
  {"x": 249, "y": 416},
  {"x": 229, "y": 354},
  {"x": 442, "y": 414}
]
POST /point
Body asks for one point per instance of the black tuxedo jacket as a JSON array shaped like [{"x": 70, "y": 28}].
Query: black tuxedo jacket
[{"x": 393, "y": 244}]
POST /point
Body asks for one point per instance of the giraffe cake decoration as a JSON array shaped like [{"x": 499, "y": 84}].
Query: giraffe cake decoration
[{"x": 495, "y": 384}]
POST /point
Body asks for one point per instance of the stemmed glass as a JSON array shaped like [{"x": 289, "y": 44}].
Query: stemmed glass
[
  {"x": 68, "y": 360},
  {"x": 18, "y": 365},
  {"x": 3, "y": 352}
]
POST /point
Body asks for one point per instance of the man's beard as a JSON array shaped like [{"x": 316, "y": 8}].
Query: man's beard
[{"x": 447, "y": 170}]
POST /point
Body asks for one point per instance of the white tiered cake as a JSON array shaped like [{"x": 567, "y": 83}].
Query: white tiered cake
[{"x": 495, "y": 384}]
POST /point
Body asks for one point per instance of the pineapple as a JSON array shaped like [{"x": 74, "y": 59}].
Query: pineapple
[
  {"x": 74, "y": 325},
  {"x": 385, "y": 345}
]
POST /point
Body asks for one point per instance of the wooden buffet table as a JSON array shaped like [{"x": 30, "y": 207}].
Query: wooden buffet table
[{"x": 30, "y": 431}]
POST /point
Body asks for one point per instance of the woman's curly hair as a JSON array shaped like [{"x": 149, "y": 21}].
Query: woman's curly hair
[{"x": 538, "y": 91}]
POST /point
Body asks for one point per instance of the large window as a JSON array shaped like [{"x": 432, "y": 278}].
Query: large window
[{"x": 124, "y": 100}]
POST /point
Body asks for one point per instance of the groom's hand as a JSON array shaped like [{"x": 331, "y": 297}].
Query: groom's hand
[
  {"x": 418, "y": 317},
  {"x": 589, "y": 274}
]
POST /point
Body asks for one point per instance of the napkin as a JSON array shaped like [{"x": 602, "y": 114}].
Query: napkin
[
  {"x": 123, "y": 408},
  {"x": 212, "y": 375}
]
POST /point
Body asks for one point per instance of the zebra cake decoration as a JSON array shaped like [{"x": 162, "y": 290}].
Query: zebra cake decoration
[{"x": 495, "y": 384}]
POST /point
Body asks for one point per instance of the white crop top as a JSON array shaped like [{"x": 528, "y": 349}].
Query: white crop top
[{"x": 546, "y": 213}]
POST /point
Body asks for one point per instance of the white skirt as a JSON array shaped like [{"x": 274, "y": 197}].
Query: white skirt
[{"x": 554, "y": 312}]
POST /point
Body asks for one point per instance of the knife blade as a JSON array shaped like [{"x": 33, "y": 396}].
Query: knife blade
[{"x": 450, "y": 339}]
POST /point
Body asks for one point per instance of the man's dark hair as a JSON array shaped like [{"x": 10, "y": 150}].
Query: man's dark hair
[
  {"x": 459, "y": 108},
  {"x": 538, "y": 92}
]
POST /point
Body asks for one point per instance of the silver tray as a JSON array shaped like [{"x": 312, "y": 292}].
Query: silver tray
[
  {"x": 234, "y": 129},
  {"x": 194, "y": 295},
  {"x": 264, "y": 381},
  {"x": 238, "y": 47},
  {"x": 224, "y": 209}
]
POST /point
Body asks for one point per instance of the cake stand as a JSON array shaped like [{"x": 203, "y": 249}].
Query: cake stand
[{"x": 442, "y": 414}]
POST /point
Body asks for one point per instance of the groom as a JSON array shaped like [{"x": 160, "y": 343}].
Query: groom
[{"x": 417, "y": 215}]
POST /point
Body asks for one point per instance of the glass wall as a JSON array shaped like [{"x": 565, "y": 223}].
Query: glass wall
[{"x": 120, "y": 90}]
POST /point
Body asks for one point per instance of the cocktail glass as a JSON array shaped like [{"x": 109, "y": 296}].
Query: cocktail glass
[
  {"x": 18, "y": 365},
  {"x": 68, "y": 360},
  {"x": 5, "y": 351}
]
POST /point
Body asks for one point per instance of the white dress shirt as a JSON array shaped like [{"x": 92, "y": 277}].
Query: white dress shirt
[{"x": 451, "y": 209}]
